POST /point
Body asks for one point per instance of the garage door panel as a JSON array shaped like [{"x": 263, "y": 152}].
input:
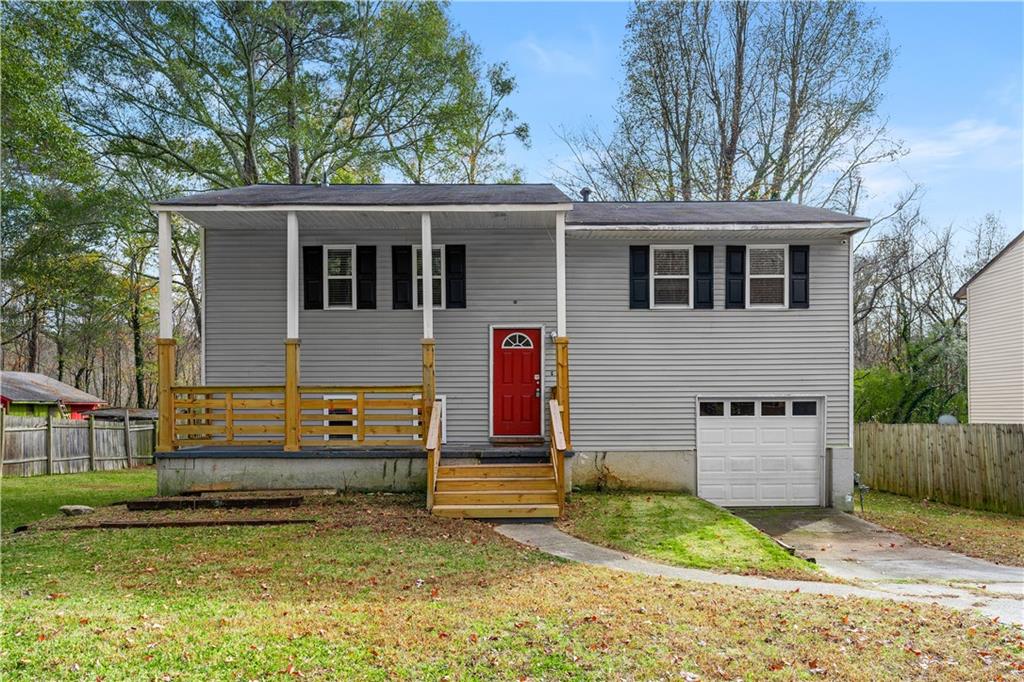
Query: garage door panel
[
  {"x": 774, "y": 463},
  {"x": 804, "y": 436},
  {"x": 774, "y": 435},
  {"x": 742, "y": 435},
  {"x": 773, "y": 460}
]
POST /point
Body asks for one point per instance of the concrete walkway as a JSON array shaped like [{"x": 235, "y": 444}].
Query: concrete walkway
[{"x": 547, "y": 538}]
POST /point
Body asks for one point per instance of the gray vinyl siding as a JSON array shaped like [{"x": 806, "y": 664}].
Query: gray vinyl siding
[
  {"x": 635, "y": 374},
  {"x": 510, "y": 281}
]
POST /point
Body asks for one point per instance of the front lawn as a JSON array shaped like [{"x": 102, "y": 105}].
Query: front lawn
[
  {"x": 682, "y": 530},
  {"x": 24, "y": 500},
  {"x": 982, "y": 534},
  {"x": 379, "y": 590}
]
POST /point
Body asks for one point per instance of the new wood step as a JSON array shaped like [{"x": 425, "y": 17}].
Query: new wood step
[
  {"x": 496, "y": 511},
  {"x": 495, "y": 471},
  {"x": 463, "y": 497},
  {"x": 495, "y": 483}
]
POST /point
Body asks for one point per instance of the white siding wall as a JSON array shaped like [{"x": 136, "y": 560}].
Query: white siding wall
[
  {"x": 634, "y": 373},
  {"x": 995, "y": 341}
]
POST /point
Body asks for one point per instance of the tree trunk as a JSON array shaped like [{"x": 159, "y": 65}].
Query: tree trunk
[
  {"x": 135, "y": 322},
  {"x": 742, "y": 10},
  {"x": 292, "y": 117}
]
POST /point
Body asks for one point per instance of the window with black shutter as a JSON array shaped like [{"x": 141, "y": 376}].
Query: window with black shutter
[
  {"x": 366, "y": 277},
  {"x": 735, "y": 281},
  {"x": 799, "y": 276},
  {"x": 704, "y": 277},
  {"x": 401, "y": 277},
  {"x": 639, "y": 277},
  {"x": 455, "y": 275},
  {"x": 313, "y": 277}
]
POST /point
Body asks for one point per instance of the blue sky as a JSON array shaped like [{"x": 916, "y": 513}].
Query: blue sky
[{"x": 954, "y": 96}]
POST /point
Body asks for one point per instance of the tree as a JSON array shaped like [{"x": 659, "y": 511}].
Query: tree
[{"x": 742, "y": 101}]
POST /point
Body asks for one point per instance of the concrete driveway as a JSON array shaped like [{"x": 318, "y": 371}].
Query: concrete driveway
[{"x": 850, "y": 547}]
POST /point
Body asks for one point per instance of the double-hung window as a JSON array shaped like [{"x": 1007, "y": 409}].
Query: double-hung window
[
  {"x": 671, "y": 276},
  {"x": 438, "y": 278},
  {"x": 767, "y": 269},
  {"x": 339, "y": 276}
]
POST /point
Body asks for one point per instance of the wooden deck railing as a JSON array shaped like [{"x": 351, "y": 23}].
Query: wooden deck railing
[
  {"x": 557, "y": 447},
  {"x": 329, "y": 416},
  {"x": 433, "y": 447}
]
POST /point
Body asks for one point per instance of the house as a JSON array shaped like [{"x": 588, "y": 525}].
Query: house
[
  {"x": 701, "y": 346},
  {"x": 995, "y": 338},
  {"x": 29, "y": 394}
]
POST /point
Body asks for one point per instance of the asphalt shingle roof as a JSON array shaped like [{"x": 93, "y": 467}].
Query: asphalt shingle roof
[
  {"x": 701, "y": 213},
  {"x": 39, "y": 388},
  {"x": 373, "y": 195}
]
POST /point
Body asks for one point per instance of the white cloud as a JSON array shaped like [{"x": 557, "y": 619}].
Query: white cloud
[{"x": 562, "y": 57}]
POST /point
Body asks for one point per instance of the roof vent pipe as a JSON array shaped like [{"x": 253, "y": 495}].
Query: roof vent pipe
[
  {"x": 585, "y": 193},
  {"x": 324, "y": 182}
]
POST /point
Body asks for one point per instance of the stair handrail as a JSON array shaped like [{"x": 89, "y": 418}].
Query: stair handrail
[
  {"x": 557, "y": 447},
  {"x": 433, "y": 447}
]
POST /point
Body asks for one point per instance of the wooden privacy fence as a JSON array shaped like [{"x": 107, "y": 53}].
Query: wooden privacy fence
[
  {"x": 980, "y": 466},
  {"x": 32, "y": 446}
]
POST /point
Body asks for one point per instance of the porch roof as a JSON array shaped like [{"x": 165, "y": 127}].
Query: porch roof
[{"x": 398, "y": 196}]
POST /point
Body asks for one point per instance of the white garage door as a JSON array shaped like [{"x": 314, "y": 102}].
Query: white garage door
[{"x": 759, "y": 453}]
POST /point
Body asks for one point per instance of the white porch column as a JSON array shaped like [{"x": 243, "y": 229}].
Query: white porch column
[
  {"x": 427, "y": 257},
  {"x": 166, "y": 301},
  {"x": 293, "y": 276},
  {"x": 560, "y": 272}
]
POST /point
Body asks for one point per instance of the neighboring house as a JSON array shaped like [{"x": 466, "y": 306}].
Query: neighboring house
[
  {"x": 703, "y": 346},
  {"x": 117, "y": 414},
  {"x": 995, "y": 338},
  {"x": 30, "y": 394}
]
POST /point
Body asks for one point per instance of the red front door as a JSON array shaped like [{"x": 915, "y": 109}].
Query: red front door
[{"x": 515, "y": 395}]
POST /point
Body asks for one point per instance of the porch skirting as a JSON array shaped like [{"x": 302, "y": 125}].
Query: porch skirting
[{"x": 269, "y": 468}]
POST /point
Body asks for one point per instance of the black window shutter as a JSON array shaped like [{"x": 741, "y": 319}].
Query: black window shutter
[
  {"x": 735, "y": 284},
  {"x": 799, "y": 276},
  {"x": 639, "y": 277},
  {"x": 401, "y": 277},
  {"x": 703, "y": 277},
  {"x": 455, "y": 275},
  {"x": 366, "y": 277},
  {"x": 313, "y": 277}
]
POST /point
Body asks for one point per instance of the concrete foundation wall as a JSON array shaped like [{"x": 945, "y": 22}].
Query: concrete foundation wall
[
  {"x": 395, "y": 474},
  {"x": 840, "y": 481},
  {"x": 641, "y": 470}
]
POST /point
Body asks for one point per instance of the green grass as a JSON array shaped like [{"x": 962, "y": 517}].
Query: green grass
[
  {"x": 379, "y": 590},
  {"x": 24, "y": 500},
  {"x": 987, "y": 535},
  {"x": 682, "y": 530}
]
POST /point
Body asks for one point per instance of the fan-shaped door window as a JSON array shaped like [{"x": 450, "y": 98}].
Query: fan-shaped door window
[{"x": 517, "y": 340}]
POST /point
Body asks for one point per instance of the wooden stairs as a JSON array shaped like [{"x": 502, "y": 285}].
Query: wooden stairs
[
  {"x": 510, "y": 490},
  {"x": 475, "y": 491}
]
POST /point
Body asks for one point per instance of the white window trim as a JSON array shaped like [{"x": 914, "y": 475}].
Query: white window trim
[
  {"x": 784, "y": 277},
  {"x": 416, "y": 278},
  {"x": 327, "y": 278},
  {"x": 327, "y": 413},
  {"x": 689, "y": 277}
]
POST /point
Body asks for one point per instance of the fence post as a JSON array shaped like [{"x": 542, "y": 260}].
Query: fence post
[
  {"x": 92, "y": 443},
  {"x": 127, "y": 441},
  {"x": 3, "y": 450},
  {"x": 49, "y": 442}
]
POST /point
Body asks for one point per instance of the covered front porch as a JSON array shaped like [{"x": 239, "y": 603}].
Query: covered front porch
[{"x": 346, "y": 426}]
